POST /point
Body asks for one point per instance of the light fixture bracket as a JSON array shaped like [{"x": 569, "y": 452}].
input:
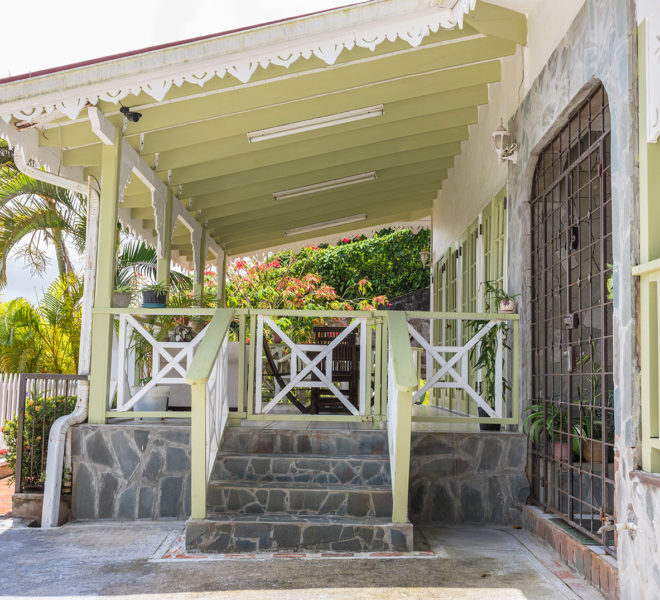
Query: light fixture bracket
[{"x": 504, "y": 148}]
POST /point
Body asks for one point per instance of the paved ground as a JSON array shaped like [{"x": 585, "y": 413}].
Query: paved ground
[{"x": 125, "y": 561}]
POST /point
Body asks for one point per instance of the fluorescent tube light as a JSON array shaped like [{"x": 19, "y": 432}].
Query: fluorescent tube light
[
  {"x": 317, "y": 123},
  {"x": 325, "y": 185},
  {"x": 325, "y": 225}
]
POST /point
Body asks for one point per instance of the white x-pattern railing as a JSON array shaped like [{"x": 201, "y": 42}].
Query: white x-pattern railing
[
  {"x": 449, "y": 357},
  {"x": 311, "y": 357},
  {"x": 170, "y": 362}
]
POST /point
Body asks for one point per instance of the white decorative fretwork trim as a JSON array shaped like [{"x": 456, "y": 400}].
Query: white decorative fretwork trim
[{"x": 411, "y": 28}]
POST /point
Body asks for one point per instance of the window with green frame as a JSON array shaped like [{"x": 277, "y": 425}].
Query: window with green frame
[
  {"x": 494, "y": 241},
  {"x": 459, "y": 277}
]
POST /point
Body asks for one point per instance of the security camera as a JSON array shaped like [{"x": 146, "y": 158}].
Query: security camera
[{"x": 130, "y": 115}]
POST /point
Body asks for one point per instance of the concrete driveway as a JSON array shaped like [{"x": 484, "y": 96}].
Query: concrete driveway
[{"x": 126, "y": 560}]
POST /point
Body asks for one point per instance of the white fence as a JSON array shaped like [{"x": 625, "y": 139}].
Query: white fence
[{"x": 8, "y": 400}]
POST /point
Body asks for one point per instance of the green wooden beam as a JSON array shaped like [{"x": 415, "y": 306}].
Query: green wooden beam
[
  {"x": 327, "y": 206},
  {"x": 443, "y": 63},
  {"x": 255, "y": 243},
  {"x": 356, "y": 145},
  {"x": 163, "y": 265},
  {"x": 499, "y": 22},
  {"x": 232, "y": 187},
  {"x": 398, "y": 100},
  {"x": 250, "y": 198},
  {"x": 347, "y": 136}
]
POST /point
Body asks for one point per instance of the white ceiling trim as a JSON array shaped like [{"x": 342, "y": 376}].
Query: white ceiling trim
[{"x": 196, "y": 66}]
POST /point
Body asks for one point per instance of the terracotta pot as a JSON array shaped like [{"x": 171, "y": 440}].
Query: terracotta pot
[
  {"x": 561, "y": 451},
  {"x": 592, "y": 452}
]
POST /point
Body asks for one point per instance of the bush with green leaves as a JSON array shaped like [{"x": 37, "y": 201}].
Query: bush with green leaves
[
  {"x": 389, "y": 261},
  {"x": 40, "y": 413}
]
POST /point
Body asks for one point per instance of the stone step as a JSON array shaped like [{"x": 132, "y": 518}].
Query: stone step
[
  {"x": 323, "y": 442},
  {"x": 299, "y": 498},
  {"x": 366, "y": 470},
  {"x": 267, "y": 533}
]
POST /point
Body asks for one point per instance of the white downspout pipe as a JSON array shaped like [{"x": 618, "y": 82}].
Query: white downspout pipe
[{"x": 59, "y": 430}]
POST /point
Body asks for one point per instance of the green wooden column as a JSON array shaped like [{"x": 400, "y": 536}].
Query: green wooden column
[
  {"x": 222, "y": 283},
  {"x": 99, "y": 376},
  {"x": 649, "y": 177},
  {"x": 164, "y": 261},
  {"x": 198, "y": 278}
]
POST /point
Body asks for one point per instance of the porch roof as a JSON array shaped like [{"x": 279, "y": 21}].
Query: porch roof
[{"x": 425, "y": 67}]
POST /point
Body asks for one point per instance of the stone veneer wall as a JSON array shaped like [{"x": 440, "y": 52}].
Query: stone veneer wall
[
  {"x": 128, "y": 472},
  {"x": 601, "y": 44},
  {"x": 468, "y": 477},
  {"x": 142, "y": 471}
]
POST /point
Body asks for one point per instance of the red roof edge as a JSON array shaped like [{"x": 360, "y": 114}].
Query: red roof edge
[{"x": 94, "y": 61}]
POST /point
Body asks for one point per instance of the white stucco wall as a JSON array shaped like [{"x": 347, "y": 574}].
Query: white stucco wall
[{"x": 477, "y": 175}]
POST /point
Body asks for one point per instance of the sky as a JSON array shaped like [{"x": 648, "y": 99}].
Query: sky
[{"x": 58, "y": 33}]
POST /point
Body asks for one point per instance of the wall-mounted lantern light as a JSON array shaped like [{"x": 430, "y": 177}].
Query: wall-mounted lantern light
[
  {"x": 504, "y": 147},
  {"x": 424, "y": 257}
]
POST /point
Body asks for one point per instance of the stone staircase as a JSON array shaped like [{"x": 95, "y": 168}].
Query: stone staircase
[{"x": 313, "y": 490}]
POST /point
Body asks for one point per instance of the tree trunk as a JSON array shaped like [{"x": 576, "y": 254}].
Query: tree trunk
[{"x": 60, "y": 252}]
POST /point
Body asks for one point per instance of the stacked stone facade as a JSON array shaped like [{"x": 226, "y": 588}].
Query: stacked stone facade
[{"x": 128, "y": 472}]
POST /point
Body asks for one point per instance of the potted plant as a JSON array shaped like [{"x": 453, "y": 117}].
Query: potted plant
[
  {"x": 547, "y": 420},
  {"x": 153, "y": 400},
  {"x": 198, "y": 322},
  {"x": 483, "y": 355},
  {"x": 592, "y": 449},
  {"x": 121, "y": 296},
  {"x": 154, "y": 295}
]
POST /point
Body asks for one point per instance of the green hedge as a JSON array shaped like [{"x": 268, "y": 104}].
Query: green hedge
[{"x": 389, "y": 260}]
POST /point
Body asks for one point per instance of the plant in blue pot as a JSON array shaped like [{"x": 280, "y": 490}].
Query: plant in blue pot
[{"x": 154, "y": 295}]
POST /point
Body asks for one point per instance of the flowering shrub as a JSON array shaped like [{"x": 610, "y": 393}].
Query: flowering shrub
[
  {"x": 39, "y": 418},
  {"x": 279, "y": 284}
]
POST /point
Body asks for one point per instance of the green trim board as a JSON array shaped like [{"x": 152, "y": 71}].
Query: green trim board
[{"x": 649, "y": 273}]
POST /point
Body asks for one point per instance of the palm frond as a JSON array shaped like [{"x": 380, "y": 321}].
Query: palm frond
[{"x": 17, "y": 223}]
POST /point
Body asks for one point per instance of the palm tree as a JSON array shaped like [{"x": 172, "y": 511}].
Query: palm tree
[
  {"x": 136, "y": 261},
  {"x": 33, "y": 215},
  {"x": 45, "y": 337}
]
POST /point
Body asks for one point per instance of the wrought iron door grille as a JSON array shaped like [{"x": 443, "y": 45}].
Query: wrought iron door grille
[{"x": 572, "y": 465}]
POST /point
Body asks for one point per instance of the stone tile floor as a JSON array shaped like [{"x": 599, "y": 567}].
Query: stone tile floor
[{"x": 121, "y": 560}]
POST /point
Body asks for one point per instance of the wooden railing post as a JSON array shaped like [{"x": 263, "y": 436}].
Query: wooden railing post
[
  {"x": 405, "y": 383},
  {"x": 198, "y": 451},
  {"x": 197, "y": 377}
]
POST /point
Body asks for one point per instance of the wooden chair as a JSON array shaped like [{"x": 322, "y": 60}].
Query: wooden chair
[{"x": 345, "y": 369}]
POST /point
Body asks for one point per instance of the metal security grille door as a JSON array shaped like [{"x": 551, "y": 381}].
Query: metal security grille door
[{"x": 572, "y": 459}]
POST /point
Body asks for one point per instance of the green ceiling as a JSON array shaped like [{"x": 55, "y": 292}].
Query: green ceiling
[{"x": 196, "y": 137}]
